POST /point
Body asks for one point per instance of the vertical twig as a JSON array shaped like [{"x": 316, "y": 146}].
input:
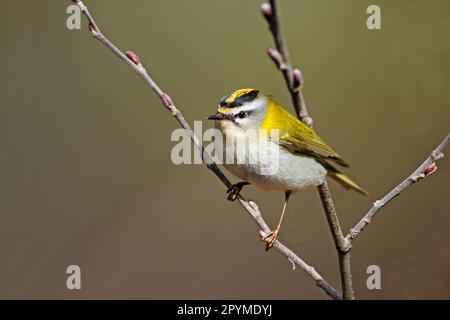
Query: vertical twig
[
  {"x": 280, "y": 56},
  {"x": 294, "y": 81},
  {"x": 341, "y": 243},
  {"x": 346, "y": 275}
]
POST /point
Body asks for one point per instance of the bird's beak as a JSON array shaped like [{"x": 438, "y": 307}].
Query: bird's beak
[{"x": 217, "y": 116}]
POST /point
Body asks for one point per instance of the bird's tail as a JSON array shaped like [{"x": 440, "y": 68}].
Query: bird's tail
[{"x": 342, "y": 179}]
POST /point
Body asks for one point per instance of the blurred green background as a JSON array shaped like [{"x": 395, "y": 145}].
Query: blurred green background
[{"x": 86, "y": 176}]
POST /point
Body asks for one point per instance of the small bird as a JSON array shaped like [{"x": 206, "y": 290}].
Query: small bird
[{"x": 302, "y": 157}]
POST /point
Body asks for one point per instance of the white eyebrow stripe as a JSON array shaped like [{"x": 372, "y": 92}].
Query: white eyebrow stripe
[{"x": 249, "y": 106}]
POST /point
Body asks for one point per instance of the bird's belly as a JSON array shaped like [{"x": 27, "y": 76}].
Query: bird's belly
[{"x": 279, "y": 171}]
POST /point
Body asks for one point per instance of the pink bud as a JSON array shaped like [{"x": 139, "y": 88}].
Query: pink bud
[
  {"x": 276, "y": 57},
  {"x": 266, "y": 10},
  {"x": 431, "y": 168},
  {"x": 91, "y": 27},
  {"x": 76, "y": 1},
  {"x": 133, "y": 57},
  {"x": 167, "y": 100},
  {"x": 298, "y": 78}
]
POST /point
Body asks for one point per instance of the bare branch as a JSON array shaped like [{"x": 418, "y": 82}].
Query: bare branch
[
  {"x": 132, "y": 60},
  {"x": 294, "y": 81},
  {"x": 342, "y": 245},
  {"x": 424, "y": 170},
  {"x": 346, "y": 275},
  {"x": 280, "y": 56}
]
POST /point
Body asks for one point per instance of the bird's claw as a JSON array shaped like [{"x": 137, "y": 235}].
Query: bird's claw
[
  {"x": 234, "y": 191},
  {"x": 271, "y": 238}
]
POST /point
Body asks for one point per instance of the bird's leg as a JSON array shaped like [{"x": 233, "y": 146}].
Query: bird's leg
[
  {"x": 273, "y": 235},
  {"x": 234, "y": 190}
]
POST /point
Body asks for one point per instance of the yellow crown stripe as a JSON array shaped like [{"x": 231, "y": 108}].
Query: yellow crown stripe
[{"x": 237, "y": 94}]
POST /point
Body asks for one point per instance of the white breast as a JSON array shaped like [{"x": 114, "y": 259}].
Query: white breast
[{"x": 271, "y": 167}]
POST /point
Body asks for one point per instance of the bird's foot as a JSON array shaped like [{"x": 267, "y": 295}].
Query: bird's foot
[
  {"x": 271, "y": 238},
  {"x": 234, "y": 190}
]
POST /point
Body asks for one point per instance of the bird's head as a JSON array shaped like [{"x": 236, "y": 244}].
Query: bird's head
[{"x": 243, "y": 108}]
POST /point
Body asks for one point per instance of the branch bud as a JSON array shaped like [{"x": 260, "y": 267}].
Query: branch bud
[
  {"x": 134, "y": 57},
  {"x": 91, "y": 27},
  {"x": 167, "y": 100},
  {"x": 431, "y": 168},
  {"x": 276, "y": 57},
  {"x": 266, "y": 10},
  {"x": 298, "y": 78}
]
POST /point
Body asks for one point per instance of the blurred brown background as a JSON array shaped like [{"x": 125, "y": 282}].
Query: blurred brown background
[{"x": 85, "y": 170}]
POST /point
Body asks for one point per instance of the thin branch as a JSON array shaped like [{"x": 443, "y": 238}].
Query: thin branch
[
  {"x": 280, "y": 56},
  {"x": 424, "y": 170},
  {"x": 133, "y": 61},
  {"x": 294, "y": 81},
  {"x": 346, "y": 275},
  {"x": 342, "y": 245}
]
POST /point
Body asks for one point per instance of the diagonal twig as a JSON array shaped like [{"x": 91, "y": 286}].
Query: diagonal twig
[
  {"x": 424, "y": 170},
  {"x": 133, "y": 61}
]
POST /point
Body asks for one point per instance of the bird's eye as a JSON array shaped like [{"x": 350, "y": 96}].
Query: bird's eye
[{"x": 242, "y": 114}]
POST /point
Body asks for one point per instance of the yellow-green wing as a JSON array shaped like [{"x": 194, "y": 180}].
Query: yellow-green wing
[{"x": 297, "y": 137}]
